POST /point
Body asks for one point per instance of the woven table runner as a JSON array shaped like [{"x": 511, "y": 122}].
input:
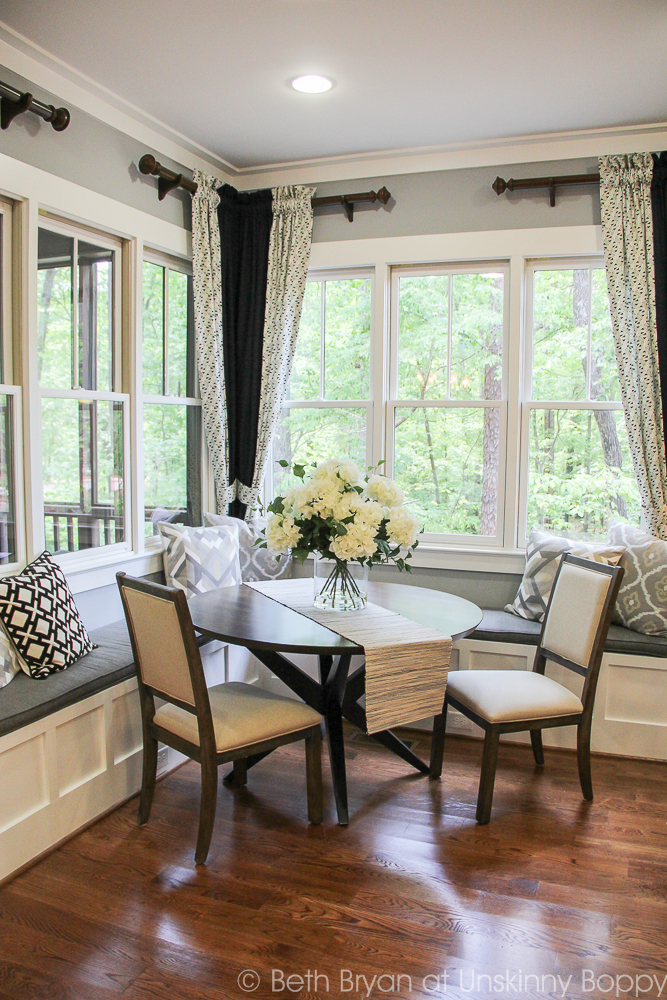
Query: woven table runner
[{"x": 406, "y": 663}]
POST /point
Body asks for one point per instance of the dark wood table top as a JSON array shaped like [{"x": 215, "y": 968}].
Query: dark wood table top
[{"x": 245, "y": 617}]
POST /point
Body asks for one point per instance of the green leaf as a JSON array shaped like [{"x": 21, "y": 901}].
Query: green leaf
[{"x": 283, "y": 463}]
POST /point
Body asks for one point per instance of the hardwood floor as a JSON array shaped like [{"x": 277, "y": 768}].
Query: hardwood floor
[{"x": 553, "y": 887}]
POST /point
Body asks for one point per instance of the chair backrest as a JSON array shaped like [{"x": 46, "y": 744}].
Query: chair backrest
[
  {"x": 577, "y": 619},
  {"x": 164, "y": 644}
]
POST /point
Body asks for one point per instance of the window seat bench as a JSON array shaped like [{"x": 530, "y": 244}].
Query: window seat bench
[
  {"x": 71, "y": 745},
  {"x": 630, "y": 716},
  {"x": 501, "y": 626},
  {"x": 25, "y": 700}
]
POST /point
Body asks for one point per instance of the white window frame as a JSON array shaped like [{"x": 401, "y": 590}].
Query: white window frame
[
  {"x": 528, "y": 404},
  {"x": 169, "y": 263},
  {"x": 69, "y": 560},
  {"x": 322, "y": 275},
  {"x": 393, "y": 403}
]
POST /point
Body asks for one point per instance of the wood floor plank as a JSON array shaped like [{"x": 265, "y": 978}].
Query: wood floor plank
[{"x": 412, "y": 887}]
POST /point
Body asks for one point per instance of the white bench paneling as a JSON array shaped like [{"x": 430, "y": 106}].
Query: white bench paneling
[{"x": 60, "y": 773}]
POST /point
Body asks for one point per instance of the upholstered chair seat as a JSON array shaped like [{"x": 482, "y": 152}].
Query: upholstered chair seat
[
  {"x": 512, "y": 695},
  {"x": 242, "y": 714}
]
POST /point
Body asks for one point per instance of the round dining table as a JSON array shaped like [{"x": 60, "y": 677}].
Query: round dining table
[{"x": 244, "y": 617}]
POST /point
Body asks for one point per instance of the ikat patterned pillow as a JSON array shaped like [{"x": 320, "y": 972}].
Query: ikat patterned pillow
[
  {"x": 200, "y": 559},
  {"x": 41, "y": 618},
  {"x": 642, "y": 599},
  {"x": 543, "y": 554},
  {"x": 10, "y": 661},
  {"x": 256, "y": 564}
]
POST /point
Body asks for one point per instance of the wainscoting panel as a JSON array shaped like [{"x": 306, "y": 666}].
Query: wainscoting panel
[
  {"x": 126, "y": 726},
  {"x": 23, "y": 782},
  {"x": 81, "y": 749}
]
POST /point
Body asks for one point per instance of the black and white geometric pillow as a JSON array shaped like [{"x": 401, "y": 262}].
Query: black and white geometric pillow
[{"x": 41, "y": 618}]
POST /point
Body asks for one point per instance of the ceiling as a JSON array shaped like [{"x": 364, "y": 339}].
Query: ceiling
[{"x": 408, "y": 73}]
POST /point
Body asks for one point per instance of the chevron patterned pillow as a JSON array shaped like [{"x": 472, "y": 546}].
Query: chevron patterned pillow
[
  {"x": 41, "y": 618},
  {"x": 256, "y": 564},
  {"x": 200, "y": 559},
  {"x": 543, "y": 554}
]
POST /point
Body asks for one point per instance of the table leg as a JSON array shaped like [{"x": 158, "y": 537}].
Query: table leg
[{"x": 333, "y": 683}]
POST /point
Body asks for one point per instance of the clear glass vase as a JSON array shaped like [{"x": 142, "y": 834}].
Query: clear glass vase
[{"x": 339, "y": 585}]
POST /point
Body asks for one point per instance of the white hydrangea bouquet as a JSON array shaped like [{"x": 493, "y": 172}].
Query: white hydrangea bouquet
[{"x": 348, "y": 521}]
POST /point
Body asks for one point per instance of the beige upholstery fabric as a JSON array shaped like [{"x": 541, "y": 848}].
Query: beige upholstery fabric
[
  {"x": 242, "y": 714},
  {"x": 162, "y": 659},
  {"x": 575, "y": 611},
  {"x": 512, "y": 695}
]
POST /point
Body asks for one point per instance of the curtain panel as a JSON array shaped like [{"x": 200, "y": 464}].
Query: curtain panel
[
  {"x": 659, "y": 213},
  {"x": 207, "y": 295},
  {"x": 627, "y": 233},
  {"x": 250, "y": 261}
]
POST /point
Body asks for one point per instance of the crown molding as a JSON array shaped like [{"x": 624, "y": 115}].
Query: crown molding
[
  {"x": 31, "y": 61},
  {"x": 34, "y": 63}
]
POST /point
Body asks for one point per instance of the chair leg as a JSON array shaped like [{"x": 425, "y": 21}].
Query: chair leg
[
  {"x": 488, "y": 776},
  {"x": 209, "y": 796},
  {"x": 538, "y": 752},
  {"x": 241, "y": 772},
  {"x": 148, "y": 776},
  {"x": 438, "y": 742},
  {"x": 314, "y": 776},
  {"x": 584, "y": 760}
]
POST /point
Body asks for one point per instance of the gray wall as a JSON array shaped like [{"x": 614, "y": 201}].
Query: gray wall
[
  {"x": 460, "y": 201},
  {"x": 92, "y": 154}
]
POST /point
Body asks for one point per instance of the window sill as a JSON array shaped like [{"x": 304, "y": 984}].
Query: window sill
[
  {"x": 470, "y": 560},
  {"x": 90, "y": 573}
]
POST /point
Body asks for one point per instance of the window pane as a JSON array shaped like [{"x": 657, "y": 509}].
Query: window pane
[
  {"x": 153, "y": 329},
  {"x": 446, "y": 460},
  {"x": 580, "y": 471},
  {"x": 54, "y": 298},
  {"x": 477, "y": 336},
  {"x": 178, "y": 333},
  {"x": 305, "y": 378},
  {"x": 313, "y": 436},
  {"x": 82, "y": 448},
  {"x": 347, "y": 339},
  {"x": 423, "y": 322},
  {"x": 172, "y": 464},
  {"x": 560, "y": 334},
  {"x": 7, "y": 513},
  {"x": 604, "y": 370},
  {"x": 95, "y": 317}
]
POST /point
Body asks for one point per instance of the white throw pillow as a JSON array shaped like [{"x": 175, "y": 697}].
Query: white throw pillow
[
  {"x": 642, "y": 599},
  {"x": 543, "y": 554},
  {"x": 256, "y": 564},
  {"x": 200, "y": 559},
  {"x": 10, "y": 661}
]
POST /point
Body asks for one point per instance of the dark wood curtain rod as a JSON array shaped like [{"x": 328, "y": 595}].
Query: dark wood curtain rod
[
  {"x": 168, "y": 180},
  {"x": 13, "y": 103},
  {"x": 499, "y": 185}
]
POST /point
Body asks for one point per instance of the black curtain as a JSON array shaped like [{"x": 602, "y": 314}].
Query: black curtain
[
  {"x": 659, "y": 211},
  {"x": 245, "y": 229}
]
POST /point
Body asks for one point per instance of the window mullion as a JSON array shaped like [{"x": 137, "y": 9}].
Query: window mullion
[
  {"x": 323, "y": 313},
  {"x": 75, "y": 314},
  {"x": 165, "y": 331}
]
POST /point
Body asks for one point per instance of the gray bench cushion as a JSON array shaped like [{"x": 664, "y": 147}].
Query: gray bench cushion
[
  {"x": 25, "y": 699},
  {"x": 500, "y": 626}
]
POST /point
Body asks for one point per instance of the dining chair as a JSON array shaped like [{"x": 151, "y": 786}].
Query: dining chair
[
  {"x": 229, "y": 722},
  {"x": 573, "y": 635}
]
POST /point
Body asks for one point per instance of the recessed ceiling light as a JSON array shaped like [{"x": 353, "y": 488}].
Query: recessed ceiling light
[{"x": 312, "y": 83}]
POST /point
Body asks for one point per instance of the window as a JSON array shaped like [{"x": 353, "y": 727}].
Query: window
[
  {"x": 446, "y": 414},
  {"x": 84, "y": 413},
  {"x": 172, "y": 438},
  {"x": 577, "y": 466},
  {"x": 10, "y": 401},
  {"x": 327, "y": 413}
]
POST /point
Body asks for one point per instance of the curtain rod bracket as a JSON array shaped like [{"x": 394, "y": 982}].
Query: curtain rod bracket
[
  {"x": 169, "y": 181},
  {"x": 551, "y": 183},
  {"x": 13, "y": 103}
]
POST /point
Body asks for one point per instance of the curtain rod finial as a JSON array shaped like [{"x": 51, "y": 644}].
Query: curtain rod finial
[{"x": 499, "y": 185}]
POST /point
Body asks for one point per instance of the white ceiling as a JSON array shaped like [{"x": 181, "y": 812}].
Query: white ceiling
[{"x": 408, "y": 73}]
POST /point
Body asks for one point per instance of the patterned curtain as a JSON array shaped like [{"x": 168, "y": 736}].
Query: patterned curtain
[
  {"x": 627, "y": 232},
  {"x": 289, "y": 251},
  {"x": 207, "y": 288}
]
